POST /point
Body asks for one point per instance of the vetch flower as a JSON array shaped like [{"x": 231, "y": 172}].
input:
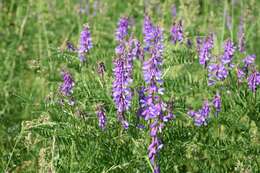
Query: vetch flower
[
  {"x": 205, "y": 50},
  {"x": 253, "y": 80},
  {"x": 229, "y": 50},
  {"x": 240, "y": 75},
  {"x": 200, "y": 117},
  {"x": 217, "y": 72},
  {"x": 122, "y": 29},
  {"x": 101, "y": 117},
  {"x": 122, "y": 94},
  {"x": 148, "y": 32},
  {"x": 177, "y": 32},
  {"x": 217, "y": 103},
  {"x": 248, "y": 60},
  {"x": 67, "y": 85},
  {"x": 85, "y": 43}
]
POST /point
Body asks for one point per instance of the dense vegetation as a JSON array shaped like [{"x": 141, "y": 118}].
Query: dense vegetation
[{"x": 45, "y": 127}]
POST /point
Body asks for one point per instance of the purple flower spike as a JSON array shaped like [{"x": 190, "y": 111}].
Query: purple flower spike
[
  {"x": 148, "y": 32},
  {"x": 229, "y": 50},
  {"x": 253, "y": 80},
  {"x": 177, "y": 33},
  {"x": 250, "y": 59},
  {"x": 101, "y": 117},
  {"x": 216, "y": 72},
  {"x": 240, "y": 75},
  {"x": 68, "y": 83},
  {"x": 200, "y": 116},
  {"x": 85, "y": 42},
  {"x": 121, "y": 92},
  {"x": 122, "y": 29},
  {"x": 217, "y": 103},
  {"x": 205, "y": 50}
]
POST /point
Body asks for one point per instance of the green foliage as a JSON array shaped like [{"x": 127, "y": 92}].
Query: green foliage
[{"x": 40, "y": 135}]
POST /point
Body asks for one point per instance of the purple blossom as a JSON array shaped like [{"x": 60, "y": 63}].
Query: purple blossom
[
  {"x": 253, "y": 80},
  {"x": 121, "y": 88},
  {"x": 201, "y": 115},
  {"x": 101, "y": 117},
  {"x": 152, "y": 106},
  {"x": 205, "y": 50},
  {"x": 67, "y": 85},
  {"x": 177, "y": 32},
  {"x": 229, "y": 50},
  {"x": 142, "y": 100},
  {"x": 248, "y": 60},
  {"x": 217, "y": 103},
  {"x": 216, "y": 72},
  {"x": 85, "y": 42},
  {"x": 122, "y": 29},
  {"x": 137, "y": 50},
  {"x": 240, "y": 75},
  {"x": 148, "y": 32}
]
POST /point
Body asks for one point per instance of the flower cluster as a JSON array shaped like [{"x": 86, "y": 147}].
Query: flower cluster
[
  {"x": 253, "y": 80},
  {"x": 201, "y": 115},
  {"x": 101, "y": 117},
  {"x": 148, "y": 32},
  {"x": 177, "y": 32},
  {"x": 67, "y": 85},
  {"x": 205, "y": 49},
  {"x": 85, "y": 43},
  {"x": 121, "y": 92},
  {"x": 122, "y": 29},
  {"x": 229, "y": 50},
  {"x": 152, "y": 106},
  {"x": 217, "y": 103},
  {"x": 217, "y": 72},
  {"x": 123, "y": 66}
]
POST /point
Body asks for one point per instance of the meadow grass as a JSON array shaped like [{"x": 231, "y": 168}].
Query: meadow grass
[{"x": 39, "y": 135}]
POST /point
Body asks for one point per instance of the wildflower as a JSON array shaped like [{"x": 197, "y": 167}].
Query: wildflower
[
  {"x": 137, "y": 50},
  {"x": 141, "y": 98},
  {"x": 177, "y": 33},
  {"x": 253, "y": 80},
  {"x": 205, "y": 50},
  {"x": 216, "y": 72},
  {"x": 240, "y": 74},
  {"x": 200, "y": 116},
  {"x": 68, "y": 83},
  {"x": 248, "y": 60},
  {"x": 229, "y": 50},
  {"x": 153, "y": 107},
  {"x": 122, "y": 29},
  {"x": 101, "y": 117},
  {"x": 85, "y": 43},
  {"x": 121, "y": 92},
  {"x": 217, "y": 103},
  {"x": 148, "y": 32}
]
